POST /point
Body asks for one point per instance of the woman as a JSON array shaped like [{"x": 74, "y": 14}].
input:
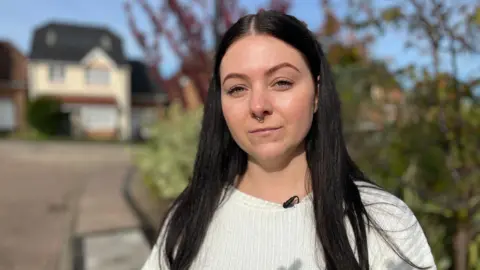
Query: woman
[{"x": 272, "y": 132}]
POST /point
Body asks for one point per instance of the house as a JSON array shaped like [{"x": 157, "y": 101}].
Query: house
[
  {"x": 85, "y": 68},
  {"x": 13, "y": 88},
  {"x": 147, "y": 100}
]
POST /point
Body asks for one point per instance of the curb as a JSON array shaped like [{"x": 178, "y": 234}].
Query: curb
[
  {"x": 66, "y": 260},
  {"x": 149, "y": 231}
]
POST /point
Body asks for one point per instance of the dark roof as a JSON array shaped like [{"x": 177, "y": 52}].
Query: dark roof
[
  {"x": 141, "y": 80},
  {"x": 6, "y": 61},
  {"x": 139, "y": 77},
  {"x": 71, "y": 42},
  {"x": 10, "y": 58}
]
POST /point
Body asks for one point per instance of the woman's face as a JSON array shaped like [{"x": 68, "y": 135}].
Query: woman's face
[{"x": 262, "y": 77}]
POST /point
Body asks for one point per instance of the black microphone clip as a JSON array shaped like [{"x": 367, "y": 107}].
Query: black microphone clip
[{"x": 291, "y": 202}]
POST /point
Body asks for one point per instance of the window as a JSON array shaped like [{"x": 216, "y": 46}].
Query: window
[
  {"x": 97, "y": 76},
  {"x": 56, "y": 73},
  {"x": 51, "y": 38},
  {"x": 106, "y": 42}
]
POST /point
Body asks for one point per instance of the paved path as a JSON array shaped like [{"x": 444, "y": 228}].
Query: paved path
[{"x": 49, "y": 191}]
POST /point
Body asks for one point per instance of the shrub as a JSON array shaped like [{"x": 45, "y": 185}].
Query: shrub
[{"x": 166, "y": 160}]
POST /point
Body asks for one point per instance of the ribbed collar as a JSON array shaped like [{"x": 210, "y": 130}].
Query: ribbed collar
[{"x": 233, "y": 195}]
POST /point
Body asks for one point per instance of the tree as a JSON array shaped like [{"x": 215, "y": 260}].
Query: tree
[
  {"x": 369, "y": 91},
  {"x": 434, "y": 152},
  {"x": 184, "y": 30}
]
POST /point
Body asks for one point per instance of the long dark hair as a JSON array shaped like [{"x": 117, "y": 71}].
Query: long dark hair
[{"x": 219, "y": 159}]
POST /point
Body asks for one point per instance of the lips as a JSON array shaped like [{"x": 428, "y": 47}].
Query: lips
[{"x": 264, "y": 130}]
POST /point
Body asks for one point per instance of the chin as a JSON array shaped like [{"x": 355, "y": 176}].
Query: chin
[{"x": 268, "y": 153}]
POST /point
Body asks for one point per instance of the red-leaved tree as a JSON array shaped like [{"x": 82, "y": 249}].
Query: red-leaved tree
[{"x": 184, "y": 27}]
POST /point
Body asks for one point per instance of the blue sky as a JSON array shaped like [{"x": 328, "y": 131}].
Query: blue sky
[{"x": 20, "y": 17}]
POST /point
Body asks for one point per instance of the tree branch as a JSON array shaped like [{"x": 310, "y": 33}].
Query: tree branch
[
  {"x": 475, "y": 231},
  {"x": 186, "y": 38},
  {"x": 447, "y": 202}
]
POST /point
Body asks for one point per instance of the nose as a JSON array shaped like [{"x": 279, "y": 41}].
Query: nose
[{"x": 260, "y": 104}]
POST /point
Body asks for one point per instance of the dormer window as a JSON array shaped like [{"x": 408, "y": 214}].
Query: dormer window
[
  {"x": 106, "y": 42},
  {"x": 51, "y": 38}
]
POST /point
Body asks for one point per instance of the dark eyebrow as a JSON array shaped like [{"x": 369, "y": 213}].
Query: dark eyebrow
[{"x": 268, "y": 72}]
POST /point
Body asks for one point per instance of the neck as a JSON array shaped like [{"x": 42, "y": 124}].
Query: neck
[{"x": 276, "y": 184}]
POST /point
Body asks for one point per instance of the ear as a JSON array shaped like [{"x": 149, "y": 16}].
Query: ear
[{"x": 317, "y": 93}]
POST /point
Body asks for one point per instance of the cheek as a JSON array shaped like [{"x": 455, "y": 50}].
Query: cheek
[
  {"x": 233, "y": 117},
  {"x": 301, "y": 119},
  {"x": 297, "y": 110},
  {"x": 298, "y": 115}
]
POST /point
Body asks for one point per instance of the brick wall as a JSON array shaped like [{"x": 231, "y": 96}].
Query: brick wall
[{"x": 13, "y": 79}]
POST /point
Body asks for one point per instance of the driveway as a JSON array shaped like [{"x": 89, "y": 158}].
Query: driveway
[{"x": 41, "y": 188}]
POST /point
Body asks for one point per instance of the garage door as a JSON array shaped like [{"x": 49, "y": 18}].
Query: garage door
[
  {"x": 7, "y": 114},
  {"x": 99, "y": 117}
]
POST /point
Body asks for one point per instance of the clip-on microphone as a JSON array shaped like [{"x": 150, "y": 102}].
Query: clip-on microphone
[{"x": 291, "y": 202}]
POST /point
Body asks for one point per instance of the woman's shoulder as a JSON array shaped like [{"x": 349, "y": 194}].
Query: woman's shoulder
[
  {"x": 157, "y": 259},
  {"x": 386, "y": 210},
  {"x": 393, "y": 224},
  {"x": 384, "y": 205}
]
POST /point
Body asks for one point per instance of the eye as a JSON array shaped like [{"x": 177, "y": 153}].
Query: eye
[
  {"x": 283, "y": 84},
  {"x": 235, "y": 90}
]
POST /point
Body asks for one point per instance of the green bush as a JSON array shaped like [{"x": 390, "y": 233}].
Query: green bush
[
  {"x": 166, "y": 160},
  {"x": 43, "y": 115}
]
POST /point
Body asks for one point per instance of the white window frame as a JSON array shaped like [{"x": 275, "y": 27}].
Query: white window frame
[
  {"x": 56, "y": 72},
  {"x": 97, "y": 76}
]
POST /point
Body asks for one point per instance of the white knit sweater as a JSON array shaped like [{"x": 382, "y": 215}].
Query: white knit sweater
[{"x": 254, "y": 234}]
